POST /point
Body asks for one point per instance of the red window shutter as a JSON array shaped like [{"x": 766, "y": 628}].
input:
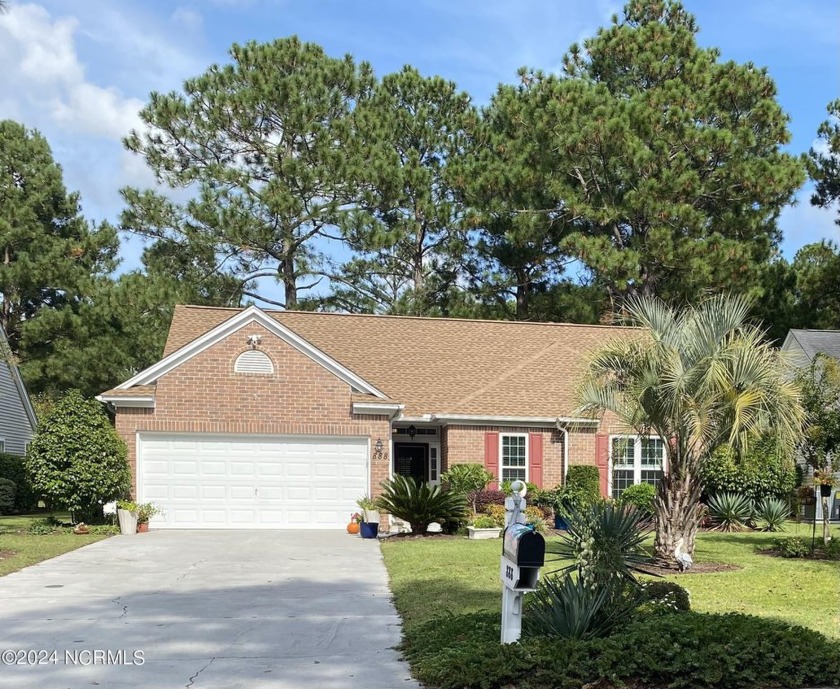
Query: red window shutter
[
  {"x": 602, "y": 460},
  {"x": 491, "y": 457},
  {"x": 535, "y": 458}
]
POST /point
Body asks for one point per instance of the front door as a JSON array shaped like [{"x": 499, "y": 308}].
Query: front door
[{"x": 412, "y": 459}]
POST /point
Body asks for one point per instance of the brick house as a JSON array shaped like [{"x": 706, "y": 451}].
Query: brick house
[{"x": 280, "y": 419}]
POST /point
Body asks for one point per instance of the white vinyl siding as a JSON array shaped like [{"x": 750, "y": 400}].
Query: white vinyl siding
[
  {"x": 513, "y": 456},
  {"x": 251, "y": 482},
  {"x": 635, "y": 460}
]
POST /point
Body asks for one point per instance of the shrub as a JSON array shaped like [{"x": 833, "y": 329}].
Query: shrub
[
  {"x": 76, "y": 459},
  {"x": 13, "y": 468},
  {"x": 507, "y": 490},
  {"x": 771, "y": 514},
  {"x": 832, "y": 549},
  {"x": 730, "y": 511},
  {"x": 484, "y": 521},
  {"x": 666, "y": 595},
  {"x": 497, "y": 514},
  {"x": 792, "y": 546},
  {"x": 418, "y": 503},
  {"x": 104, "y": 529},
  {"x": 761, "y": 472},
  {"x": 42, "y": 527},
  {"x": 7, "y": 495},
  {"x": 587, "y": 478},
  {"x": 467, "y": 480},
  {"x": 686, "y": 651},
  {"x": 640, "y": 496},
  {"x": 482, "y": 498}
]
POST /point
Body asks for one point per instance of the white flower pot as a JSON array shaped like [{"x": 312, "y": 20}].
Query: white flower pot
[
  {"x": 372, "y": 516},
  {"x": 483, "y": 534},
  {"x": 128, "y": 522}
]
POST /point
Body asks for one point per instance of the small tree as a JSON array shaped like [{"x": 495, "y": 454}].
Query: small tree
[
  {"x": 76, "y": 459},
  {"x": 467, "y": 480},
  {"x": 820, "y": 385}
]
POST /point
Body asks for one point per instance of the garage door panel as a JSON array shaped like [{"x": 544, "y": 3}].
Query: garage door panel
[{"x": 251, "y": 482}]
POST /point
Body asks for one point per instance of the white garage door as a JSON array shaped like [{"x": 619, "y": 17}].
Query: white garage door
[{"x": 251, "y": 482}]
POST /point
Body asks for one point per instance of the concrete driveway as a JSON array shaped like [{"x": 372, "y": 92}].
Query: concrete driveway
[{"x": 250, "y": 609}]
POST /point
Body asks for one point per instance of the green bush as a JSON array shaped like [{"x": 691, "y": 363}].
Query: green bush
[
  {"x": 666, "y": 595},
  {"x": 686, "y": 651},
  {"x": 771, "y": 514},
  {"x": 640, "y": 496},
  {"x": 468, "y": 480},
  {"x": 13, "y": 468},
  {"x": 484, "y": 521},
  {"x": 420, "y": 504},
  {"x": 792, "y": 546},
  {"x": 587, "y": 479},
  {"x": 76, "y": 459},
  {"x": 7, "y": 495},
  {"x": 42, "y": 527},
  {"x": 730, "y": 511},
  {"x": 760, "y": 473},
  {"x": 832, "y": 550}
]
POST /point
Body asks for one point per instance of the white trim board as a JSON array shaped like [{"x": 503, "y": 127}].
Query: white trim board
[
  {"x": 250, "y": 315},
  {"x": 120, "y": 401}
]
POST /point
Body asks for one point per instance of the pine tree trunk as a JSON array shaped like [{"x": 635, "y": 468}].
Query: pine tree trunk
[
  {"x": 289, "y": 282},
  {"x": 678, "y": 512}
]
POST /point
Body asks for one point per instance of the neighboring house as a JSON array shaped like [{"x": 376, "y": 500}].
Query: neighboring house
[
  {"x": 802, "y": 346},
  {"x": 17, "y": 417},
  {"x": 283, "y": 419}
]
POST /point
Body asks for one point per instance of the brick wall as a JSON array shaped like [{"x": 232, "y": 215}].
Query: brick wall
[
  {"x": 204, "y": 395},
  {"x": 465, "y": 445}
]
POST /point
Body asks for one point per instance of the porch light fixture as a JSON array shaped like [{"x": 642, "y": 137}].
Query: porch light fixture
[
  {"x": 378, "y": 449},
  {"x": 412, "y": 431}
]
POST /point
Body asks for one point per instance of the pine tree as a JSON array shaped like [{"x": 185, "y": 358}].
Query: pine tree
[{"x": 263, "y": 144}]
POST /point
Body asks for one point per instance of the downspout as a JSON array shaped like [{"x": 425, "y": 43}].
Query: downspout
[{"x": 561, "y": 426}]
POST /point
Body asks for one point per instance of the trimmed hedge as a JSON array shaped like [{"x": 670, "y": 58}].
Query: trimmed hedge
[
  {"x": 13, "y": 468},
  {"x": 678, "y": 651},
  {"x": 587, "y": 479},
  {"x": 7, "y": 495}
]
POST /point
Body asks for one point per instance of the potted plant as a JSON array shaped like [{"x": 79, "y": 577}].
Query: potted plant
[
  {"x": 825, "y": 480},
  {"x": 370, "y": 512},
  {"x": 355, "y": 520},
  {"x": 145, "y": 511},
  {"x": 483, "y": 527},
  {"x": 127, "y": 515}
]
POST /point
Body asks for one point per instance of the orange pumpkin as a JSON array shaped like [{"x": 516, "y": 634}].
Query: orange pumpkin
[{"x": 353, "y": 527}]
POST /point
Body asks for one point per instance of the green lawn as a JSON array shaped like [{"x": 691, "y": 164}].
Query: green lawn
[
  {"x": 19, "y": 549},
  {"x": 431, "y": 577}
]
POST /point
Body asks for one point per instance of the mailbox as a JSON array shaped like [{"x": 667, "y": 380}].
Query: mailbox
[{"x": 523, "y": 546}]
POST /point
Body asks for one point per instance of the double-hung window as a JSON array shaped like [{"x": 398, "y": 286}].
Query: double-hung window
[
  {"x": 635, "y": 460},
  {"x": 514, "y": 457}
]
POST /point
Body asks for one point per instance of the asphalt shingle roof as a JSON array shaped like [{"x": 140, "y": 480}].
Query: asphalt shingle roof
[
  {"x": 815, "y": 342},
  {"x": 439, "y": 365}
]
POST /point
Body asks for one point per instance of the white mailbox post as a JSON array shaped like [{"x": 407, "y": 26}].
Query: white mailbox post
[{"x": 523, "y": 553}]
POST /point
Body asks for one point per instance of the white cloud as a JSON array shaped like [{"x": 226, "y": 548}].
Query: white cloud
[
  {"x": 43, "y": 68},
  {"x": 189, "y": 19}
]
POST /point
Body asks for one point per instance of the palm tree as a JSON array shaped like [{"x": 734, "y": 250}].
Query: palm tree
[{"x": 697, "y": 378}]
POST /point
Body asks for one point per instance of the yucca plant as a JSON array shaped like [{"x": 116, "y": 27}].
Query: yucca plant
[
  {"x": 564, "y": 606},
  {"x": 603, "y": 543},
  {"x": 730, "y": 511},
  {"x": 420, "y": 504},
  {"x": 771, "y": 514}
]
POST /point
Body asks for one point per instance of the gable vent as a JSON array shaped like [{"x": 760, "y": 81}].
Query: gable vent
[{"x": 253, "y": 361}]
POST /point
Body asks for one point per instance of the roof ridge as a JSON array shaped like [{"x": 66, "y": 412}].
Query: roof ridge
[{"x": 383, "y": 316}]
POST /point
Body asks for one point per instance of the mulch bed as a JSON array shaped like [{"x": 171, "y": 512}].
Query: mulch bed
[{"x": 696, "y": 568}]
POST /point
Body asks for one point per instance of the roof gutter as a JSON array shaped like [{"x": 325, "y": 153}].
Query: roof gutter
[
  {"x": 376, "y": 409},
  {"x": 482, "y": 420},
  {"x": 139, "y": 401}
]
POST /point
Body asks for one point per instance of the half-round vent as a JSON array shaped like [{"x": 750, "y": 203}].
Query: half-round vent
[{"x": 253, "y": 361}]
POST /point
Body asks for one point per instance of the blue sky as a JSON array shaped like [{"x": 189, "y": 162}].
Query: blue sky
[{"x": 80, "y": 70}]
